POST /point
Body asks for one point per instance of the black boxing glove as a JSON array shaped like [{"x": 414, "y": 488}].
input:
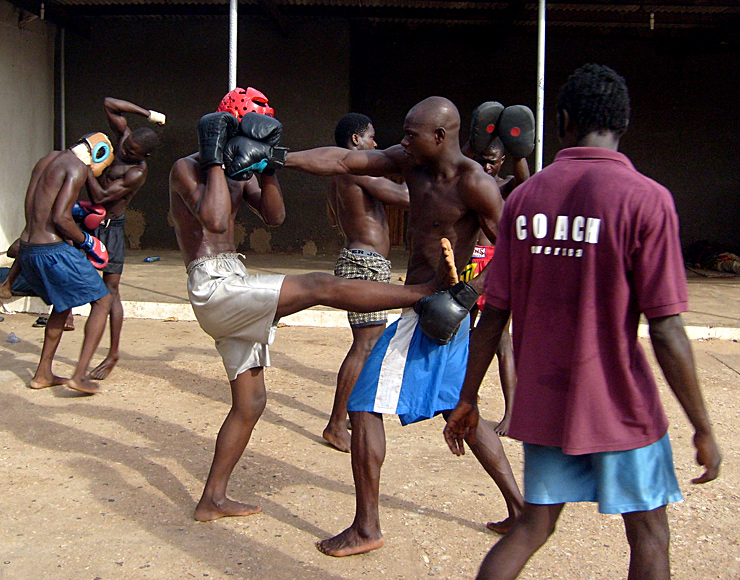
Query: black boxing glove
[
  {"x": 440, "y": 314},
  {"x": 214, "y": 131},
  {"x": 261, "y": 128},
  {"x": 244, "y": 157}
]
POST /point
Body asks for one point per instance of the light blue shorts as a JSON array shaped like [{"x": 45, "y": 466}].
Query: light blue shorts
[{"x": 620, "y": 481}]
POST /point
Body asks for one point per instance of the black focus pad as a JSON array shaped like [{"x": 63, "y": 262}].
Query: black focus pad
[
  {"x": 516, "y": 130},
  {"x": 484, "y": 125}
]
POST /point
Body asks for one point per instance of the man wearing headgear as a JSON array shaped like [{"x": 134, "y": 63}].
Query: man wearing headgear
[
  {"x": 57, "y": 272},
  {"x": 112, "y": 192},
  {"x": 240, "y": 310}
]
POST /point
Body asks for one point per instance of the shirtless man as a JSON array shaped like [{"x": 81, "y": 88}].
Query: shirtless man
[
  {"x": 356, "y": 206},
  {"x": 491, "y": 158},
  {"x": 114, "y": 191},
  {"x": 57, "y": 272},
  {"x": 452, "y": 197},
  {"x": 239, "y": 310}
]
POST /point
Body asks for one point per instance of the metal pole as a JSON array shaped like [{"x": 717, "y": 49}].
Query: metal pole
[
  {"x": 540, "y": 117},
  {"x": 62, "y": 91},
  {"x": 233, "y": 23}
]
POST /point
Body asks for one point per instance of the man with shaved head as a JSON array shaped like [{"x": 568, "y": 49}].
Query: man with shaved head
[{"x": 408, "y": 374}]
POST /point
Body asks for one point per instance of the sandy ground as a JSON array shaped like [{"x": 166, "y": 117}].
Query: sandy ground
[{"x": 104, "y": 487}]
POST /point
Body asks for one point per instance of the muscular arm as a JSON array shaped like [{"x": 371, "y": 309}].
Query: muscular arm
[
  {"x": 266, "y": 199},
  {"x": 673, "y": 352},
  {"x": 484, "y": 341},
  {"x": 61, "y": 213},
  {"x": 209, "y": 202},
  {"x": 384, "y": 190},
  {"x": 339, "y": 161},
  {"x": 114, "y": 111},
  {"x": 482, "y": 195},
  {"x": 129, "y": 183},
  {"x": 521, "y": 174}
]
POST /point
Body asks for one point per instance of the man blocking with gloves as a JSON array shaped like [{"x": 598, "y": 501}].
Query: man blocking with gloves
[
  {"x": 237, "y": 309},
  {"x": 56, "y": 271}
]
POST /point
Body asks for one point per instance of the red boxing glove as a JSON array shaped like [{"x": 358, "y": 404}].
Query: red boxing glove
[
  {"x": 96, "y": 251},
  {"x": 88, "y": 214}
]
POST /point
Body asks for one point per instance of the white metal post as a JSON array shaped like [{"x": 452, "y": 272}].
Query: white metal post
[
  {"x": 540, "y": 117},
  {"x": 233, "y": 24}
]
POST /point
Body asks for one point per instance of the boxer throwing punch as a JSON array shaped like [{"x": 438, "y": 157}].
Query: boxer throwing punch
[
  {"x": 113, "y": 191},
  {"x": 239, "y": 310},
  {"x": 416, "y": 368},
  {"x": 57, "y": 272}
]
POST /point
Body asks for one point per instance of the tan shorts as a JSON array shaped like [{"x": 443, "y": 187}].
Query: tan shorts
[{"x": 235, "y": 308}]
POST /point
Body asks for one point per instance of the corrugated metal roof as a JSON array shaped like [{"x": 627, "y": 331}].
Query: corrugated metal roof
[{"x": 626, "y": 14}]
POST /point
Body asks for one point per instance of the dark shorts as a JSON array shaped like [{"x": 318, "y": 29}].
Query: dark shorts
[
  {"x": 60, "y": 274},
  {"x": 20, "y": 286},
  {"x": 364, "y": 265},
  {"x": 111, "y": 233}
]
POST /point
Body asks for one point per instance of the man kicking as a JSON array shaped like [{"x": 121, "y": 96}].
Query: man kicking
[
  {"x": 114, "y": 191},
  {"x": 239, "y": 310},
  {"x": 407, "y": 373},
  {"x": 56, "y": 271},
  {"x": 356, "y": 207}
]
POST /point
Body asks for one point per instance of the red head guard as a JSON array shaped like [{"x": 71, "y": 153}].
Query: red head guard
[{"x": 240, "y": 102}]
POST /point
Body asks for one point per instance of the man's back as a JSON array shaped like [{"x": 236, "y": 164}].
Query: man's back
[
  {"x": 589, "y": 243},
  {"x": 61, "y": 175}
]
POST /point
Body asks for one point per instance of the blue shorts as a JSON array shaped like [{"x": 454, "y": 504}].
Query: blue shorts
[
  {"x": 620, "y": 481},
  {"x": 410, "y": 376},
  {"x": 60, "y": 275}
]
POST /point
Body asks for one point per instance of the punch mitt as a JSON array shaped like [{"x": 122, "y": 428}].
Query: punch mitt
[
  {"x": 261, "y": 128},
  {"x": 96, "y": 251},
  {"x": 440, "y": 314},
  {"x": 214, "y": 131},
  {"x": 243, "y": 157},
  {"x": 88, "y": 214},
  {"x": 516, "y": 130},
  {"x": 484, "y": 125}
]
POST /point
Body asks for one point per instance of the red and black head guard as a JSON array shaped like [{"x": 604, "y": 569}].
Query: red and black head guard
[{"x": 239, "y": 102}]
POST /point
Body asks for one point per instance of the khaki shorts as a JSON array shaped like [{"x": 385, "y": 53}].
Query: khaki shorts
[{"x": 235, "y": 308}]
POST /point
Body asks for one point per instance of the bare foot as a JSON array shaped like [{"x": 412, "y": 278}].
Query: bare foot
[
  {"x": 44, "y": 382},
  {"x": 503, "y": 427},
  {"x": 83, "y": 385},
  {"x": 5, "y": 292},
  {"x": 69, "y": 324},
  {"x": 348, "y": 543},
  {"x": 503, "y": 526},
  {"x": 102, "y": 371},
  {"x": 207, "y": 511},
  {"x": 338, "y": 438}
]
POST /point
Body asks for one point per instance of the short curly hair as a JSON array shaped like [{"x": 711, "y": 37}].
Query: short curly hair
[
  {"x": 596, "y": 99},
  {"x": 350, "y": 124}
]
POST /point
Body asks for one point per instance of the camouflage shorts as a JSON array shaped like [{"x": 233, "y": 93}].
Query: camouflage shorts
[{"x": 364, "y": 265}]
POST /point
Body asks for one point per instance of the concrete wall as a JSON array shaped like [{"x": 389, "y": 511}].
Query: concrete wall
[
  {"x": 180, "y": 67},
  {"x": 26, "y": 112}
]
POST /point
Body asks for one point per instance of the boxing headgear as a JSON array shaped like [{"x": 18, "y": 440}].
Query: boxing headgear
[
  {"x": 95, "y": 150},
  {"x": 240, "y": 102}
]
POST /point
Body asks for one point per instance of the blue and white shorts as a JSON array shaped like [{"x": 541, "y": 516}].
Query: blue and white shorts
[
  {"x": 620, "y": 481},
  {"x": 410, "y": 376}
]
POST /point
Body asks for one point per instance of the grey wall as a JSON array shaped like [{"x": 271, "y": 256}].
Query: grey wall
[
  {"x": 685, "y": 127},
  {"x": 180, "y": 67},
  {"x": 26, "y": 111}
]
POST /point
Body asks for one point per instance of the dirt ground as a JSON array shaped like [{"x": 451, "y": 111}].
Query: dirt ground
[{"x": 103, "y": 487}]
